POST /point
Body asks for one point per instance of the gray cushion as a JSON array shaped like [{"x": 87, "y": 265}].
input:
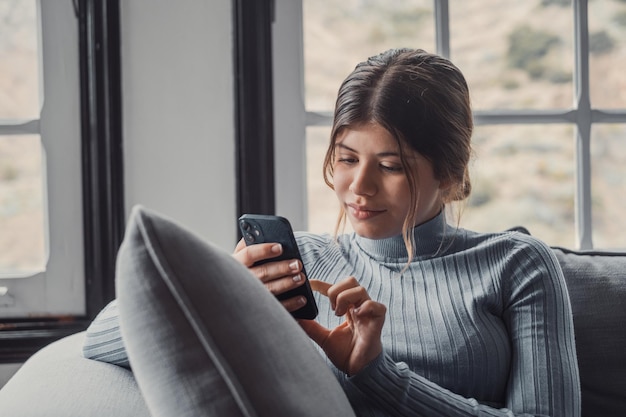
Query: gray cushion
[
  {"x": 596, "y": 283},
  {"x": 58, "y": 381},
  {"x": 205, "y": 338}
]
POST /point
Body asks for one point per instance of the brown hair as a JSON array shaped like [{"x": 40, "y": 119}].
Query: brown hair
[{"x": 423, "y": 100}]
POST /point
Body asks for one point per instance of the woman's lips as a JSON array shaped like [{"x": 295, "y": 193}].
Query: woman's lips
[{"x": 363, "y": 213}]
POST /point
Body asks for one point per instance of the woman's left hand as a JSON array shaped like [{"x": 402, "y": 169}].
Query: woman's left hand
[{"x": 355, "y": 342}]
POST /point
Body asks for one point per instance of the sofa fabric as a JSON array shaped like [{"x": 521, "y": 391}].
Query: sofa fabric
[
  {"x": 58, "y": 382},
  {"x": 205, "y": 338},
  {"x": 192, "y": 290},
  {"x": 596, "y": 282}
]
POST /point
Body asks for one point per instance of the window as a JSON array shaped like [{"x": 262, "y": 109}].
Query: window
[
  {"x": 548, "y": 93},
  {"x": 41, "y": 253},
  {"x": 22, "y": 245},
  {"x": 60, "y": 156}
]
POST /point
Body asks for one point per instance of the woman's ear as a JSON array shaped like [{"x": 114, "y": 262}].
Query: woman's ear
[
  {"x": 448, "y": 190},
  {"x": 444, "y": 186}
]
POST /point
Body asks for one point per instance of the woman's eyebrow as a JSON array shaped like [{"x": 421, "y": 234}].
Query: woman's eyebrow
[
  {"x": 341, "y": 145},
  {"x": 384, "y": 153}
]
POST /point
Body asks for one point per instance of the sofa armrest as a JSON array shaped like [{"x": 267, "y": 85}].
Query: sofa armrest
[
  {"x": 596, "y": 283},
  {"x": 59, "y": 381}
]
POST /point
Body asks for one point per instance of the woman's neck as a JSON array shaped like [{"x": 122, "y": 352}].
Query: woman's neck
[{"x": 428, "y": 241}]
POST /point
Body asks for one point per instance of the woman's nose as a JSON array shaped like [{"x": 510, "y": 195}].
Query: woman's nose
[{"x": 363, "y": 181}]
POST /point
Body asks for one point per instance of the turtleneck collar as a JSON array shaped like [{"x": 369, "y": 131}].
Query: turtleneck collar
[{"x": 428, "y": 241}]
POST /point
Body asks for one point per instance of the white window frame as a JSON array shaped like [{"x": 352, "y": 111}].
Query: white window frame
[
  {"x": 291, "y": 118},
  {"x": 59, "y": 289}
]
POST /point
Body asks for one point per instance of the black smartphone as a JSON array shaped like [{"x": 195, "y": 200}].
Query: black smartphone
[{"x": 261, "y": 228}]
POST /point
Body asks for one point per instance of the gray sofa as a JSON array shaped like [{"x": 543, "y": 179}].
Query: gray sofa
[{"x": 58, "y": 381}]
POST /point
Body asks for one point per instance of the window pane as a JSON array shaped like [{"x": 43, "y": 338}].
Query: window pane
[
  {"x": 22, "y": 241},
  {"x": 608, "y": 186},
  {"x": 523, "y": 175},
  {"x": 514, "y": 54},
  {"x": 19, "y": 80},
  {"x": 607, "y": 48},
  {"x": 338, "y": 34},
  {"x": 323, "y": 205}
]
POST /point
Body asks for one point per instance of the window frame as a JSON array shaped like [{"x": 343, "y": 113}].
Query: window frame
[
  {"x": 582, "y": 115},
  {"x": 102, "y": 180},
  {"x": 254, "y": 106}
]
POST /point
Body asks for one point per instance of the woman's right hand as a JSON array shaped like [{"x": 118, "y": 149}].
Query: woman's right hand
[{"x": 278, "y": 277}]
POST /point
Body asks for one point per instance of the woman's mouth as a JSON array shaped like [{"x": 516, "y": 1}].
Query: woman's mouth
[{"x": 363, "y": 213}]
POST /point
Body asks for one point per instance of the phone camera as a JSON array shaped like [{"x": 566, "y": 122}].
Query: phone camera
[
  {"x": 249, "y": 237},
  {"x": 245, "y": 226},
  {"x": 251, "y": 231}
]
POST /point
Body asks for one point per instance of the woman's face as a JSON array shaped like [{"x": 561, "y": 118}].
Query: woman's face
[{"x": 372, "y": 186}]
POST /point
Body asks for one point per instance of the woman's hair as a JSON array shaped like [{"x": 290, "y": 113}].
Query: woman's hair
[{"x": 422, "y": 99}]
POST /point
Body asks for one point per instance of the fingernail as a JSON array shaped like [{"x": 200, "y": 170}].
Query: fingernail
[
  {"x": 297, "y": 278},
  {"x": 293, "y": 266},
  {"x": 277, "y": 248}
]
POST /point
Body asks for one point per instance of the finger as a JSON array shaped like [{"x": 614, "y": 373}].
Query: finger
[
  {"x": 273, "y": 270},
  {"x": 249, "y": 255},
  {"x": 320, "y": 286},
  {"x": 344, "y": 284},
  {"x": 369, "y": 309},
  {"x": 318, "y": 333},
  {"x": 294, "y": 303},
  {"x": 340, "y": 287},
  {"x": 368, "y": 320},
  {"x": 281, "y": 285},
  {"x": 351, "y": 297},
  {"x": 240, "y": 245}
]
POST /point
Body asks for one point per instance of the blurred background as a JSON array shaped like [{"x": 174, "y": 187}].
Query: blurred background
[{"x": 518, "y": 56}]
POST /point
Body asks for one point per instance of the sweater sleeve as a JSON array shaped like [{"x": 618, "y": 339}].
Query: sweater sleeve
[
  {"x": 103, "y": 340},
  {"x": 543, "y": 378}
]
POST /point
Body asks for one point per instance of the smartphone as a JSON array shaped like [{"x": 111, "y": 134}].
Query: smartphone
[{"x": 260, "y": 228}]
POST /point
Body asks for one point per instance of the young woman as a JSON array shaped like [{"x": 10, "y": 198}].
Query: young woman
[{"x": 419, "y": 317}]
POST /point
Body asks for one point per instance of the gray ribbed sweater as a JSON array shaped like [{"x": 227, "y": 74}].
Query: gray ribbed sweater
[{"x": 476, "y": 324}]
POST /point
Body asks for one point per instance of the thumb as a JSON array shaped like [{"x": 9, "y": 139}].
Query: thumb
[{"x": 316, "y": 331}]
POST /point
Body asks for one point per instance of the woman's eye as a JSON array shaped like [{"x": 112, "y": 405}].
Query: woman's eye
[
  {"x": 347, "y": 160},
  {"x": 391, "y": 168}
]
